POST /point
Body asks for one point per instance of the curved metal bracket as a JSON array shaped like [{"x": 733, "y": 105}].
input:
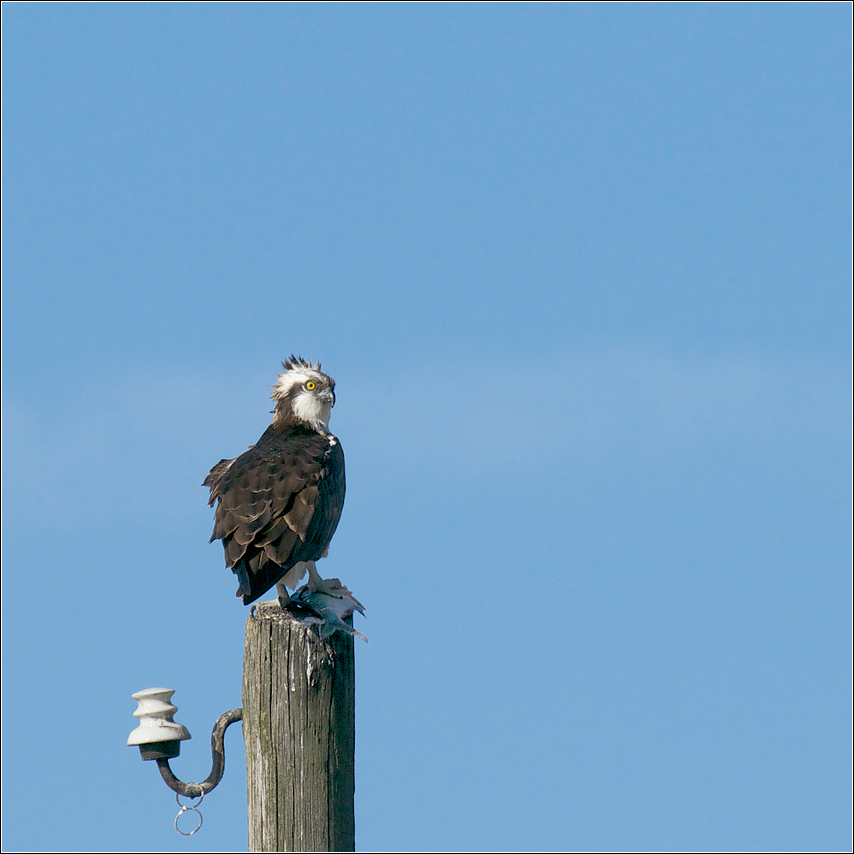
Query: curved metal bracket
[{"x": 194, "y": 790}]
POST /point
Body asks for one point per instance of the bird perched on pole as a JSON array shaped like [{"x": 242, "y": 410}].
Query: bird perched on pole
[{"x": 278, "y": 504}]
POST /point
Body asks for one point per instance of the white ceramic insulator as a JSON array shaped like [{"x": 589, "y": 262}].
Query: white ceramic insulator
[{"x": 155, "y": 718}]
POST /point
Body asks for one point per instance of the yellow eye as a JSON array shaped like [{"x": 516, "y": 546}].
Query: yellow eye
[{"x": 310, "y": 385}]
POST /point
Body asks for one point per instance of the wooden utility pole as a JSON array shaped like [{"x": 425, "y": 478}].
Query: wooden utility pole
[{"x": 299, "y": 728}]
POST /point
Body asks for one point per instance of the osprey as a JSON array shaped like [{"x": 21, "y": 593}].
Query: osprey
[{"x": 278, "y": 504}]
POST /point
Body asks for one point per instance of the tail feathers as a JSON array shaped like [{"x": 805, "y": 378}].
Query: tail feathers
[
  {"x": 252, "y": 585},
  {"x": 245, "y": 585}
]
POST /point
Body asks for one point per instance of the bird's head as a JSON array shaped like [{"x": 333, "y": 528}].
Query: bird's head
[{"x": 303, "y": 395}]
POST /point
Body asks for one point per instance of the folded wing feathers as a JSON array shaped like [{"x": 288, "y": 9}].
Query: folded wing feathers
[
  {"x": 301, "y": 512},
  {"x": 267, "y": 501},
  {"x": 280, "y": 549}
]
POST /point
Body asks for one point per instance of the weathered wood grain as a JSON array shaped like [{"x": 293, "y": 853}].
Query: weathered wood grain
[{"x": 299, "y": 727}]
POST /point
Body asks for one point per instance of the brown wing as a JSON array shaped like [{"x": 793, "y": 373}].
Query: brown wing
[{"x": 277, "y": 504}]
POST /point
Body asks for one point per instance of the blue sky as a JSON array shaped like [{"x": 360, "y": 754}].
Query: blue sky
[{"x": 582, "y": 275}]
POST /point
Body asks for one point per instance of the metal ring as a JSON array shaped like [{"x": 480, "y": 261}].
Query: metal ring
[
  {"x": 188, "y": 832},
  {"x": 189, "y": 808},
  {"x": 200, "y": 796}
]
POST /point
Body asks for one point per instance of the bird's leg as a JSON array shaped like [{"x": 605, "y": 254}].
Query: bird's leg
[
  {"x": 316, "y": 583},
  {"x": 282, "y": 594}
]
